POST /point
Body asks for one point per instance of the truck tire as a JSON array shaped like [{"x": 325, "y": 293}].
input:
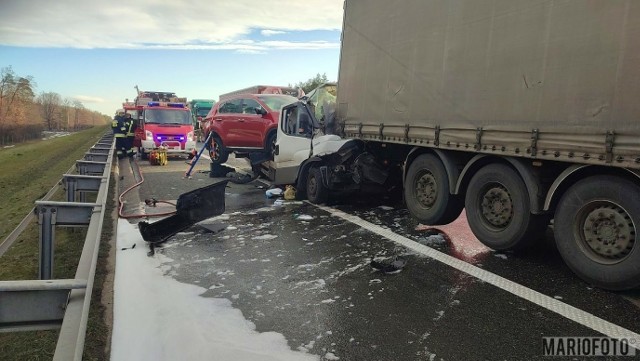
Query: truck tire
[
  {"x": 317, "y": 193},
  {"x": 143, "y": 154},
  {"x": 218, "y": 153},
  {"x": 596, "y": 231},
  {"x": 499, "y": 210},
  {"x": 427, "y": 193}
]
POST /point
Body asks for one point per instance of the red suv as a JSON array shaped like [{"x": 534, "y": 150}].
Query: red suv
[{"x": 244, "y": 123}]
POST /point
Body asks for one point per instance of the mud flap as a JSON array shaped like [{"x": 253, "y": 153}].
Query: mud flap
[{"x": 192, "y": 207}]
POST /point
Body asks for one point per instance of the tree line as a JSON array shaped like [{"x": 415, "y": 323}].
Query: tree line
[
  {"x": 312, "y": 83},
  {"x": 24, "y": 115}
]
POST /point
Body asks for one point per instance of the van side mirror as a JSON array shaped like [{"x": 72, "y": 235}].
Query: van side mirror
[{"x": 261, "y": 111}]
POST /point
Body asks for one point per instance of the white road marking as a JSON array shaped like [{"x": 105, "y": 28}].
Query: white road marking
[{"x": 572, "y": 313}]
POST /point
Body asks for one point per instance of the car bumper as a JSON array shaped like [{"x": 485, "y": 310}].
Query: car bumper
[{"x": 171, "y": 146}]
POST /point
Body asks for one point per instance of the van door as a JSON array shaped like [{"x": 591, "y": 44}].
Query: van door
[{"x": 293, "y": 144}]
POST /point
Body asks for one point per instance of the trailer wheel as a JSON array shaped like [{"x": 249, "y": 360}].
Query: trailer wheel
[
  {"x": 219, "y": 154},
  {"x": 317, "y": 193},
  {"x": 596, "y": 230},
  {"x": 427, "y": 192},
  {"x": 499, "y": 211}
]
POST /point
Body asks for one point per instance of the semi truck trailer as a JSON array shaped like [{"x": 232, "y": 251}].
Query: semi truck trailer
[
  {"x": 263, "y": 89},
  {"x": 524, "y": 114}
]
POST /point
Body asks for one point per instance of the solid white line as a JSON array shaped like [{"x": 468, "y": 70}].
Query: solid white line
[{"x": 572, "y": 313}]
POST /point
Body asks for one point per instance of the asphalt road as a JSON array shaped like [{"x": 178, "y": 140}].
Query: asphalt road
[{"x": 304, "y": 271}]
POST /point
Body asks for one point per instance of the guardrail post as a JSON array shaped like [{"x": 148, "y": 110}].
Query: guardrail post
[
  {"x": 46, "y": 221},
  {"x": 70, "y": 186},
  {"x": 87, "y": 167},
  {"x": 81, "y": 183},
  {"x": 102, "y": 150},
  {"x": 52, "y": 214},
  {"x": 97, "y": 157}
]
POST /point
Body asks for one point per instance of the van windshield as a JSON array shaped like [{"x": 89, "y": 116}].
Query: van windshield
[
  {"x": 167, "y": 116},
  {"x": 275, "y": 102}
]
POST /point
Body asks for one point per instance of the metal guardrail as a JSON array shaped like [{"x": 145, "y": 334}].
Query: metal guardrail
[{"x": 51, "y": 303}]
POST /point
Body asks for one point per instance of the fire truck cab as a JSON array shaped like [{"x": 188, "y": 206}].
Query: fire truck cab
[{"x": 164, "y": 121}]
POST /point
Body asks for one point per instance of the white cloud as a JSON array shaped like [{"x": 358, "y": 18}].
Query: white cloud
[
  {"x": 245, "y": 47},
  {"x": 272, "y": 32},
  {"x": 88, "y": 99},
  {"x": 250, "y": 51},
  {"x": 209, "y": 24}
]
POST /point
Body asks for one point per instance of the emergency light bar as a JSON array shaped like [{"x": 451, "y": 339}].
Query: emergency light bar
[{"x": 165, "y": 104}]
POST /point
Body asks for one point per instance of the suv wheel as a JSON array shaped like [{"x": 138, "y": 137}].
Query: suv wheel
[{"x": 218, "y": 153}]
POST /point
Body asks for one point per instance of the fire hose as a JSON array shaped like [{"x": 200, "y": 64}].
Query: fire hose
[{"x": 152, "y": 202}]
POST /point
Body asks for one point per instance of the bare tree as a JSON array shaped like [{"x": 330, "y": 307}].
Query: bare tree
[
  {"x": 65, "y": 114},
  {"x": 50, "y": 104},
  {"x": 15, "y": 93},
  {"x": 78, "y": 109}
]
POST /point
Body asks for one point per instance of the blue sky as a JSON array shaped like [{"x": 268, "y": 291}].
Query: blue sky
[{"x": 97, "y": 52}]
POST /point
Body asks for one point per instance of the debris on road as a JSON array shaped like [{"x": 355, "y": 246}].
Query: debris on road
[
  {"x": 273, "y": 192},
  {"x": 389, "y": 265},
  {"x": 213, "y": 227},
  {"x": 289, "y": 193},
  {"x": 126, "y": 248},
  {"x": 192, "y": 207},
  {"x": 241, "y": 178}
]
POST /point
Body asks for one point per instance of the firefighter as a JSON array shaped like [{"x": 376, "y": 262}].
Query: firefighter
[
  {"x": 114, "y": 123},
  {"x": 129, "y": 124},
  {"x": 120, "y": 133}
]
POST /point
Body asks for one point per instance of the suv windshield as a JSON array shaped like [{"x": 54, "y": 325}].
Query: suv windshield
[
  {"x": 167, "y": 116},
  {"x": 275, "y": 102}
]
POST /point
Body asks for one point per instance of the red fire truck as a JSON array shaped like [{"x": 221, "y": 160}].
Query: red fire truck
[{"x": 163, "y": 120}]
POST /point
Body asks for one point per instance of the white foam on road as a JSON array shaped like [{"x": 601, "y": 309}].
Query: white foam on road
[{"x": 158, "y": 318}]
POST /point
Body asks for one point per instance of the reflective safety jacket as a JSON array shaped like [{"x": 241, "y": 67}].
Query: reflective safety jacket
[
  {"x": 114, "y": 125},
  {"x": 129, "y": 124},
  {"x": 119, "y": 126}
]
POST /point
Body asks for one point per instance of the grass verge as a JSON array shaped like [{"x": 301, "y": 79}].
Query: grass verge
[{"x": 27, "y": 172}]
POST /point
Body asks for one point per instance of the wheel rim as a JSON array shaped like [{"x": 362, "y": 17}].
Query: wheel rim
[
  {"x": 215, "y": 150},
  {"x": 312, "y": 186},
  {"x": 496, "y": 206},
  {"x": 605, "y": 231},
  {"x": 426, "y": 189},
  {"x": 272, "y": 145}
]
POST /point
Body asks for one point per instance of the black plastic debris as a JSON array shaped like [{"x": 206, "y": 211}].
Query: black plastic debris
[
  {"x": 213, "y": 227},
  {"x": 241, "y": 178},
  {"x": 388, "y": 265},
  {"x": 192, "y": 207}
]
